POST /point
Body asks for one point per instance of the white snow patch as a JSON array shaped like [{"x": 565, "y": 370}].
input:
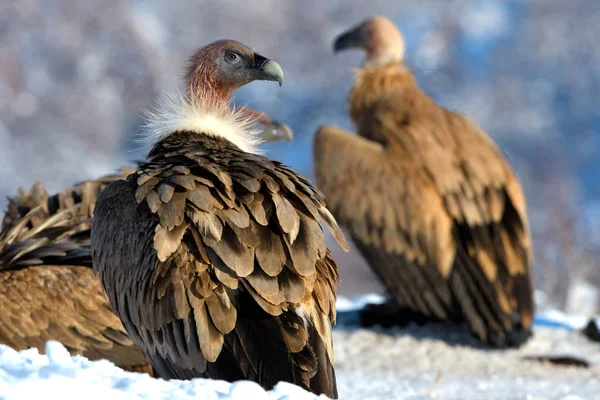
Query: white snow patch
[
  {"x": 56, "y": 375},
  {"x": 415, "y": 362},
  {"x": 443, "y": 362}
]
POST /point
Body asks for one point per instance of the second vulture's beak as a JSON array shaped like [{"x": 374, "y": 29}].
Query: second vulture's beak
[
  {"x": 350, "y": 39},
  {"x": 282, "y": 131},
  {"x": 275, "y": 132},
  {"x": 268, "y": 70}
]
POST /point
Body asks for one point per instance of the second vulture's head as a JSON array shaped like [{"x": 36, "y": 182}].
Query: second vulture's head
[
  {"x": 218, "y": 69},
  {"x": 273, "y": 131},
  {"x": 378, "y": 36}
]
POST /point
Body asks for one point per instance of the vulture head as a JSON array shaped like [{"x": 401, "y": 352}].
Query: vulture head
[
  {"x": 378, "y": 36},
  {"x": 213, "y": 73},
  {"x": 278, "y": 132},
  {"x": 223, "y": 66},
  {"x": 273, "y": 131}
]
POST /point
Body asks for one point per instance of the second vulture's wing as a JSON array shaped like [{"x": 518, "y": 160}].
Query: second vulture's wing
[
  {"x": 47, "y": 287},
  {"x": 429, "y": 223}
]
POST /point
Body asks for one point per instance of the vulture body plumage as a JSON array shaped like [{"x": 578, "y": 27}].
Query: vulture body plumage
[
  {"x": 429, "y": 199},
  {"x": 48, "y": 290},
  {"x": 213, "y": 256}
]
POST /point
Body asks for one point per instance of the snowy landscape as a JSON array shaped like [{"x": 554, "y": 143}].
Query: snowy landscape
[
  {"x": 416, "y": 362},
  {"x": 75, "y": 77}
]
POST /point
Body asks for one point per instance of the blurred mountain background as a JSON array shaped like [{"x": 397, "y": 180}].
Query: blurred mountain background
[{"x": 75, "y": 75}]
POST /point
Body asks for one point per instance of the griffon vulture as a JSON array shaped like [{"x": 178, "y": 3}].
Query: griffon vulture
[
  {"x": 48, "y": 290},
  {"x": 212, "y": 255},
  {"x": 428, "y": 198}
]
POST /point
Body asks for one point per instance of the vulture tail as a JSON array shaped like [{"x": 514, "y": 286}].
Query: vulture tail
[
  {"x": 283, "y": 348},
  {"x": 323, "y": 382},
  {"x": 257, "y": 348},
  {"x": 495, "y": 310},
  {"x": 418, "y": 290}
]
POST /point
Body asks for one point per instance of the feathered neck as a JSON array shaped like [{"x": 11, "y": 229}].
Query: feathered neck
[
  {"x": 204, "y": 117},
  {"x": 382, "y": 54},
  {"x": 372, "y": 81}
]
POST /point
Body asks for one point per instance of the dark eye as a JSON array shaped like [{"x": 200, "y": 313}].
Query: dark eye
[{"x": 232, "y": 58}]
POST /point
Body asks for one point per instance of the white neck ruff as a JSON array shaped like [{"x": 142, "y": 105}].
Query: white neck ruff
[{"x": 177, "y": 113}]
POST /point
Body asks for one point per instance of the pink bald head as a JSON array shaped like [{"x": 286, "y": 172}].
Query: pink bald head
[
  {"x": 216, "y": 70},
  {"x": 378, "y": 36}
]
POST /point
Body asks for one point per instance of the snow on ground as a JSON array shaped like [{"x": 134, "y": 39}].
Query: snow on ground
[
  {"x": 28, "y": 375},
  {"x": 416, "y": 362}
]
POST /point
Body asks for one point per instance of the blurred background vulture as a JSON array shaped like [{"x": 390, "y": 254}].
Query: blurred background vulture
[
  {"x": 268, "y": 130},
  {"x": 212, "y": 255},
  {"x": 47, "y": 287},
  {"x": 429, "y": 199}
]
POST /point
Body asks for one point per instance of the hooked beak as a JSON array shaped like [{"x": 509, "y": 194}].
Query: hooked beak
[
  {"x": 283, "y": 131},
  {"x": 268, "y": 70},
  {"x": 276, "y": 132},
  {"x": 350, "y": 39}
]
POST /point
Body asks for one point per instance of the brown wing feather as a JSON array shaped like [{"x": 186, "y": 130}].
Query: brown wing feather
[
  {"x": 436, "y": 211},
  {"x": 245, "y": 251},
  {"x": 48, "y": 289},
  {"x": 490, "y": 221}
]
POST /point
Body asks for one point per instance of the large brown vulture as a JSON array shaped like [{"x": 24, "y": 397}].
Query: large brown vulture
[
  {"x": 428, "y": 197},
  {"x": 48, "y": 290},
  {"x": 47, "y": 287},
  {"x": 212, "y": 255}
]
